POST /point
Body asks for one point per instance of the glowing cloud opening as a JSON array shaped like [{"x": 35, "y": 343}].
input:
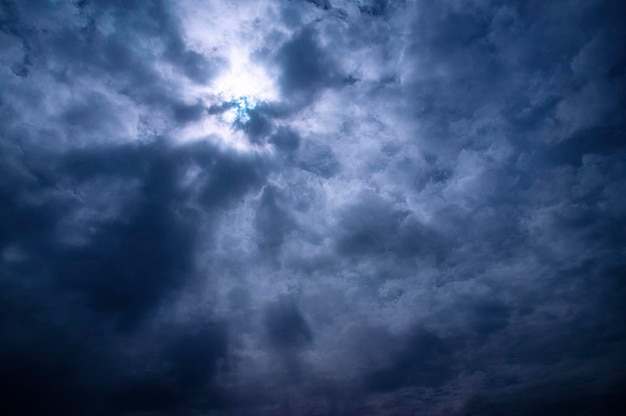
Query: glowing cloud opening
[
  {"x": 238, "y": 90},
  {"x": 244, "y": 80}
]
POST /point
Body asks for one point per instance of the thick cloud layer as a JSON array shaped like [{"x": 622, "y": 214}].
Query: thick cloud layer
[{"x": 339, "y": 207}]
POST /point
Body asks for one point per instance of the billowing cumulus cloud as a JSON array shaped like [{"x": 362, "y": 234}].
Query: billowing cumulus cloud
[{"x": 338, "y": 207}]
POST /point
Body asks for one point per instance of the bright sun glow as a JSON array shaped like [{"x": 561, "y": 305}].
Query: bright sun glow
[
  {"x": 240, "y": 88},
  {"x": 244, "y": 79},
  {"x": 243, "y": 85}
]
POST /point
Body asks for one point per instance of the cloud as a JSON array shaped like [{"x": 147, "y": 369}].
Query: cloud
[
  {"x": 271, "y": 220},
  {"x": 311, "y": 207},
  {"x": 121, "y": 271},
  {"x": 306, "y": 68},
  {"x": 285, "y": 325},
  {"x": 425, "y": 359}
]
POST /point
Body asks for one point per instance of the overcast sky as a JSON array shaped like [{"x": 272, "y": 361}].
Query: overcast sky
[{"x": 312, "y": 207}]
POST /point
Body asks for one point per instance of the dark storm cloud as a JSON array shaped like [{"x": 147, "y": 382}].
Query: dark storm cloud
[
  {"x": 373, "y": 226},
  {"x": 185, "y": 113},
  {"x": 286, "y": 140},
  {"x": 374, "y": 7},
  {"x": 178, "y": 376},
  {"x": 306, "y": 68},
  {"x": 318, "y": 158},
  {"x": 322, "y": 4},
  {"x": 423, "y": 359},
  {"x": 576, "y": 395},
  {"x": 286, "y": 327},
  {"x": 424, "y": 214},
  {"x": 271, "y": 220},
  {"x": 110, "y": 285},
  {"x": 150, "y": 251}
]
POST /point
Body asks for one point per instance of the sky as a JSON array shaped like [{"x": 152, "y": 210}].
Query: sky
[{"x": 312, "y": 207}]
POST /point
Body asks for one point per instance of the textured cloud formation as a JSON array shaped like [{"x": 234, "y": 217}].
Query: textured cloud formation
[{"x": 338, "y": 207}]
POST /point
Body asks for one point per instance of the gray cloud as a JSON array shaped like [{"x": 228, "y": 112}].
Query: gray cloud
[{"x": 312, "y": 207}]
